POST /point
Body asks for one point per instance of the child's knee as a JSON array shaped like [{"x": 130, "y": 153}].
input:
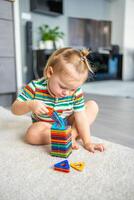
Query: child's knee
[
  {"x": 34, "y": 134},
  {"x": 93, "y": 105},
  {"x": 31, "y": 136}
]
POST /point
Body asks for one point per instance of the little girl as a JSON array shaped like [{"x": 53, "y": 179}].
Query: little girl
[{"x": 60, "y": 88}]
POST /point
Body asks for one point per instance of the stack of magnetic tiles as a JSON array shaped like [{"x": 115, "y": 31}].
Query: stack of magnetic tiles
[{"x": 61, "y": 141}]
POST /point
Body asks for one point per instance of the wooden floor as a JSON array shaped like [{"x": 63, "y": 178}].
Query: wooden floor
[{"x": 115, "y": 121}]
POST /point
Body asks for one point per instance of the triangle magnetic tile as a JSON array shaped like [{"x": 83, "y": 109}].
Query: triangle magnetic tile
[
  {"x": 62, "y": 166},
  {"x": 78, "y": 165}
]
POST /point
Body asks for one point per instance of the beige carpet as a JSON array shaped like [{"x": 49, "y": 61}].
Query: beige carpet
[{"x": 26, "y": 171}]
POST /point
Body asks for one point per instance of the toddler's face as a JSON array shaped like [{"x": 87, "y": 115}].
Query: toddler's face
[{"x": 61, "y": 85}]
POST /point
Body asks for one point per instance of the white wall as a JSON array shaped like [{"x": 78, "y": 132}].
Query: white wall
[
  {"x": 94, "y": 9},
  {"x": 115, "y": 13},
  {"x": 121, "y": 13},
  {"x": 128, "y": 67}
]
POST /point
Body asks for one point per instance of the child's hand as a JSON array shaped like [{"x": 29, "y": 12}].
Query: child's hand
[
  {"x": 37, "y": 107},
  {"x": 92, "y": 147}
]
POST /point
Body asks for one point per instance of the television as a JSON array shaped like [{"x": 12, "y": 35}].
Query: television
[{"x": 48, "y": 7}]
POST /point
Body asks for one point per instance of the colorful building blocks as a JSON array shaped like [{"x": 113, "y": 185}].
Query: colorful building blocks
[
  {"x": 62, "y": 166},
  {"x": 61, "y": 140},
  {"x": 61, "y": 143}
]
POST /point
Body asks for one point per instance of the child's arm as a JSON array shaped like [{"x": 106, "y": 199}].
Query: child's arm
[
  {"x": 82, "y": 126},
  {"x": 20, "y": 108}
]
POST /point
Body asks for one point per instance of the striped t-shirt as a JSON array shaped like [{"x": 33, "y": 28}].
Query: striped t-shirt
[{"x": 65, "y": 106}]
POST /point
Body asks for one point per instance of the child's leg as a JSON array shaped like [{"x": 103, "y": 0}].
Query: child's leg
[
  {"x": 38, "y": 133},
  {"x": 91, "y": 111}
]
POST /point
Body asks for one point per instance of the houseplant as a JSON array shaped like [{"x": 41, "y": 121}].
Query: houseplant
[{"x": 49, "y": 36}]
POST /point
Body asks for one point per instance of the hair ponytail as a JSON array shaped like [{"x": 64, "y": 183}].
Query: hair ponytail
[{"x": 84, "y": 53}]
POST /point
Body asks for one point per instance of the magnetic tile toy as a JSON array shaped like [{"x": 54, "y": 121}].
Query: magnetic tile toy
[
  {"x": 78, "y": 165},
  {"x": 62, "y": 166},
  {"x": 61, "y": 141}
]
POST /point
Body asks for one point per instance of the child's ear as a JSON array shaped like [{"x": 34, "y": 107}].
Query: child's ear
[{"x": 49, "y": 71}]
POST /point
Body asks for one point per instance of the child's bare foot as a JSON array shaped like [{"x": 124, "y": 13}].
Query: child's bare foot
[{"x": 75, "y": 144}]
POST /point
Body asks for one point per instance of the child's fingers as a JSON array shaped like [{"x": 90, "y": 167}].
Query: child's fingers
[
  {"x": 90, "y": 147},
  {"x": 42, "y": 109},
  {"x": 99, "y": 147},
  {"x": 104, "y": 148},
  {"x": 45, "y": 109}
]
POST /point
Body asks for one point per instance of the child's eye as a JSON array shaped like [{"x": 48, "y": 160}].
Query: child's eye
[{"x": 63, "y": 88}]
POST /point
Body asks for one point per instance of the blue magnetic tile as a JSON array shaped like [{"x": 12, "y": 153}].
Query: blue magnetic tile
[{"x": 62, "y": 165}]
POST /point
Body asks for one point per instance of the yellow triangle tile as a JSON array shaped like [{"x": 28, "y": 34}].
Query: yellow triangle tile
[{"x": 78, "y": 165}]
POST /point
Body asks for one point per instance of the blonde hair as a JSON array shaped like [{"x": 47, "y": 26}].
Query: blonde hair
[{"x": 69, "y": 55}]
